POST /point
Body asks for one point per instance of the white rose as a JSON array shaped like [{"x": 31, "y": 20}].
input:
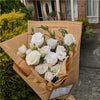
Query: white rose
[
  {"x": 28, "y": 51},
  {"x": 37, "y": 39},
  {"x": 69, "y": 39},
  {"x": 51, "y": 58},
  {"x": 42, "y": 68},
  {"x": 49, "y": 76},
  {"x": 33, "y": 58},
  {"x": 61, "y": 52},
  {"x": 55, "y": 69},
  {"x": 22, "y": 49},
  {"x": 46, "y": 49},
  {"x": 52, "y": 43}
]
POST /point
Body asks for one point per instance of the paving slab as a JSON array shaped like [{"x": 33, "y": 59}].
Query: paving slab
[
  {"x": 90, "y": 51},
  {"x": 88, "y": 87}
]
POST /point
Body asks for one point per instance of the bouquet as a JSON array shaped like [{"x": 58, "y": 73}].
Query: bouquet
[{"x": 48, "y": 55}]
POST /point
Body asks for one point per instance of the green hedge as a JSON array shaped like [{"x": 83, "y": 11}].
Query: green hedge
[
  {"x": 12, "y": 87},
  {"x": 8, "y": 5},
  {"x": 87, "y": 31}
]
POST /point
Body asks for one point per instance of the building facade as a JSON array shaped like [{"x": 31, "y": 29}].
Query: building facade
[{"x": 66, "y": 10}]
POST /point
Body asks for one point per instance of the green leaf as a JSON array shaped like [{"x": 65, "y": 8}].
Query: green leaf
[
  {"x": 63, "y": 31},
  {"x": 52, "y": 36},
  {"x": 72, "y": 44},
  {"x": 41, "y": 60},
  {"x": 67, "y": 49},
  {"x": 32, "y": 30},
  {"x": 61, "y": 41},
  {"x": 63, "y": 34},
  {"x": 71, "y": 50},
  {"x": 44, "y": 27}
]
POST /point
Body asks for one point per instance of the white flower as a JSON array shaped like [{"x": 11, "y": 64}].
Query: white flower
[
  {"x": 51, "y": 58},
  {"x": 37, "y": 39},
  {"x": 61, "y": 52},
  {"x": 20, "y": 54},
  {"x": 60, "y": 48},
  {"x": 52, "y": 43},
  {"x": 49, "y": 76},
  {"x": 28, "y": 51},
  {"x": 22, "y": 49},
  {"x": 33, "y": 58},
  {"x": 69, "y": 39},
  {"x": 61, "y": 55},
  {"x": 55, "y": 69},
  {"x": 42, "y": 68},
  {"x": 46, "y": 49}
]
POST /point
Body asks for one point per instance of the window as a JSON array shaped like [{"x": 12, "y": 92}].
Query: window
[
  {"x": 72, "y": 11},
  {"x": 47, "y": 8},
  {"x": 93, "y": 11}
]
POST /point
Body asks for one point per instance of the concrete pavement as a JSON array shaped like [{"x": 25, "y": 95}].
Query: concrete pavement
[{"x": 88, "y": 87}]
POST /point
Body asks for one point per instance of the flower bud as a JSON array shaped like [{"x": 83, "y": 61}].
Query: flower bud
[
  {"x": 32, "y": 46},
  {"x": 42, "y": 52},
  {"x": 52, "y": 32}
]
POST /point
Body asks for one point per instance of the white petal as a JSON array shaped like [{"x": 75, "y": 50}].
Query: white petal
[
  {"x": 37, "y": 39},
  {"x": 33, "y": 58},
  {"x": 61, "y": 55},
  {"x": 52, "y": 43},
  {"x": 28, "y": 51},
  {"x": 51, "y": 58},
  {"x": 42, "y": 68},
  {"x": 60, "y": 48},
  {"x": 22, "y": 49},
  {"x": 46, "y": 49},
  {"x": 56, "y": 69},
  {"x": 20, "y": 54},
  {"x": 69, "y": 39},
  {"x": 49, "y": 76}
]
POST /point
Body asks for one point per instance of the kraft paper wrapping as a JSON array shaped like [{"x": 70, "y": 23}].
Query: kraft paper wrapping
[{"x": 70, "y": 67}]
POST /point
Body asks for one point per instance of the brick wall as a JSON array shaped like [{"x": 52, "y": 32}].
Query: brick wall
[
  {"x": 81, "y": 8},
  {"x": 63, "y": 9}
]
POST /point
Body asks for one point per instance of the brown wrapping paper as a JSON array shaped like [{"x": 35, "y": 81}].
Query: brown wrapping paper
[{"x": 69, "y": 70}]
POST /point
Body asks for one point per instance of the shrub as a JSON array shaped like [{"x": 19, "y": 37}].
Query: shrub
[
  {"x": 8, "y": 5},
  {"x": 12, "y": 23},
  {"x": 30, "y": 8},
  {"x": 12, "y": 87},
  {"x": 87, "y": 31}
]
